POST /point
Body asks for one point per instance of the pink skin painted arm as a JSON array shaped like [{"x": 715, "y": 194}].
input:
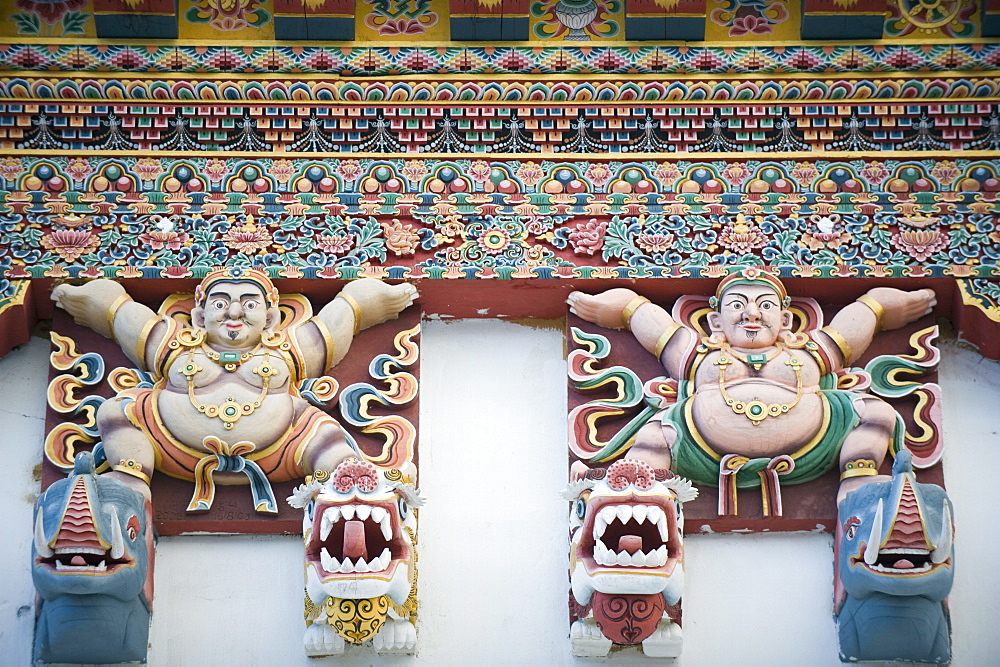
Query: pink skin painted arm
[
  {"x": 857, "y": 322},
  {"x": 647, "y": 323}
]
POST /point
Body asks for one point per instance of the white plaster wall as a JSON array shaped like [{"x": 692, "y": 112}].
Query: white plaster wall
[{"x": 492, "y": 565}]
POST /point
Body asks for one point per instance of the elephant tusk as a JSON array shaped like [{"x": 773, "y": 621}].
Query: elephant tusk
[
  {"x": 942, "y": 551},
  {"x": 41, "y": 546},
  {"x": 871, "y": 550},
  {"x": 117, "y": 540}
]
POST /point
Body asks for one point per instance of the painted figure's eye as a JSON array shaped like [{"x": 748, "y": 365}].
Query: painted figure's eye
[
  {"x": 132, "y": 527},
  {"x": 250, "y": 305},
  {"x": 766, "y": 306},
  {"x": 851, "y": 527},
  {"x": 851, "y": 532},
  {"x": 580, "y": 508},
  {"x": 403, "y": 508},
  {"x": 219, "y": 304}
]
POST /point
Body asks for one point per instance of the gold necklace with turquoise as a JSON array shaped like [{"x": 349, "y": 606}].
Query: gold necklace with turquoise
[
  {"x": 757, "y": 411},
  {"x": 230, "y": 410}
]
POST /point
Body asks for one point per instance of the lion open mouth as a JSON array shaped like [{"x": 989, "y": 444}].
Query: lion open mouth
[
  {"x": 353, "y": 538},
  {"x": 636, "y": 534}
]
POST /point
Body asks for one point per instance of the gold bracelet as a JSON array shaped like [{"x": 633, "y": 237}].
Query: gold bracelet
[
  {"x": 841, "y": 342},
  {"x": 859, "y": 468},
  {"x": 876, "y": 308},
  {"x": 113, "y": 313},
  {"x": 354, "y": 307},
  {"x": 630, "y": 309},
  {"x": 133, "y": 468},
  {"x": 665, "y": 338}
]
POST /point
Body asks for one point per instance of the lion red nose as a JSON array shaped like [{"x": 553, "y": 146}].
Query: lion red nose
[
  {"x": 362, "y": 474},
  {"x": 629, "y": 471}
]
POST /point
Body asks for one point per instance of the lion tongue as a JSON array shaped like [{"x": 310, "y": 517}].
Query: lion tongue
[
  {"x": 354, "y": 540},
  {"x": 78, "y": 560},
  {"x": 629, "y": 543},
  {"x": 903, "y": 564}
]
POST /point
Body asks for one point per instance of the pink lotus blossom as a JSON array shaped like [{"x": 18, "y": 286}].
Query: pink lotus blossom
[
  {"x": 655, "y": 242},
  {"x": 479, "y": 171},
  {"x": 70, "y": 244},
  {"x": 248, "y": 239},
  {"x": 349, "y": 170},
  {"x": 400, "y": 238},
  {"x": 598, "y": 174},
  {"x": 530, "y": 173},
  {"x": 10, "y": 168},
  {"x": 79, "y": 169},
  {"x": 148, "y": 169},
  {"x": 667, "y": 173},
  {"x": 216, "y": 170},
  {"x": 335, "y": 244},
  {"x": 414, "y": 170},
  {"x": 282, "y": 170},
  {"x": 920, "y": 244},
  {"x": 588, "y": 237}
]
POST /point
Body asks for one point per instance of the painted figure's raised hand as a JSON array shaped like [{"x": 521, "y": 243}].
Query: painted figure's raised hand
[
  {"x": 89, "y": 303},
  {"x": 604, "y": 309},
  {"x": 902, "y": 307},
  {"x": 377, "y": 301}
]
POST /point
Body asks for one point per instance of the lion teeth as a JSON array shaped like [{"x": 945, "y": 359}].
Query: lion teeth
[
  {"x": 329, "y": 563},
  {"x": 333, "y": 514},
  {"x": 606, "y": 557},
  {"x": 625, "y": 513}
]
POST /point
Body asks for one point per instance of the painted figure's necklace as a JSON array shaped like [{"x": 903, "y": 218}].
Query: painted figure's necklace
[
  {"x": 229, "y": 359},
  {"x": 230, "y": 410},
  {"x": 757, "y": 411}
]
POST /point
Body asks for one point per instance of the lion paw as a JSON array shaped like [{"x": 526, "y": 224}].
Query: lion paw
[
  {"x": 396, "y": 637},
  {"x": 665, "y": 642},
  {"x": 587, "y": 640},
  {"x": 320, "y": 640}
]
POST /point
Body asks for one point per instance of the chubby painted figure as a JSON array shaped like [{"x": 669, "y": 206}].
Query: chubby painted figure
[
  {"x": 753, "y": 396},
  {"x": 225, "y": 406}
]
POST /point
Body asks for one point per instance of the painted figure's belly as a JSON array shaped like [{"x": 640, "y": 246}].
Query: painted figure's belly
[
  {"x": 730, "y": 433},
  {"x": 261, "y": 425}
]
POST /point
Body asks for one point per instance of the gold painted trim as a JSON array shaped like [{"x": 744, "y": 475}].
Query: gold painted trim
[
  {"x": 992, "y": 312},
  {"x": 18, "y": 297}
]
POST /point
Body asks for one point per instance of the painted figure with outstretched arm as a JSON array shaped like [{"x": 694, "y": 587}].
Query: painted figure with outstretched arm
[
  {"x": 226, "y": 387},
  {"x": 754, "y": 388},
  {"x": 222, "y": 400},
  {"x": 758, "y": 405}
]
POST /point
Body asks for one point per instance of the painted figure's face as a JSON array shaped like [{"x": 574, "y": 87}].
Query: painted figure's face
[
  {"x": 750, "y": 316},
  {"x": 234, "y": 314}
]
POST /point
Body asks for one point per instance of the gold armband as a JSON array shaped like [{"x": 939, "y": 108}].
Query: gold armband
[
  {"x": 859, "y": 468},
  {"x": 842, "y": 344},
  {"x": 113, "y": 313},
  {"x": 630, "y": 309},
  {"x": 876, "y": 308},
  {"x": 133, "y": 468},
  {"x": 665, "y": 338},
  {"x": 354, "y": 307},
  {"x": 327, "y": 340}
]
